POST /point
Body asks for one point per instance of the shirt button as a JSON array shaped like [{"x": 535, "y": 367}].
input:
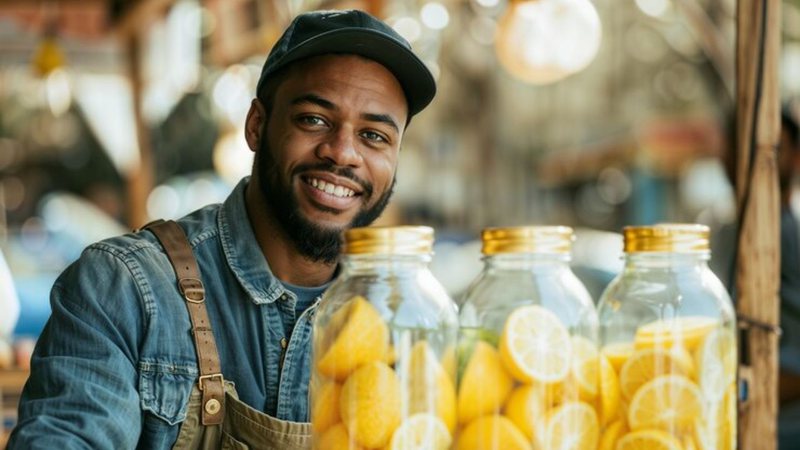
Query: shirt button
[{"x": 213, "y": 406}]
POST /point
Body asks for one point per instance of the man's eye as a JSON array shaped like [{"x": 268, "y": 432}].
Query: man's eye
[
  {"x": 311, "y": 120},
  {"x": 373, "y": 136}
]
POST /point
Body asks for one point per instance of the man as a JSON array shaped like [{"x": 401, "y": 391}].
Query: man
[
  {"x": 789, "y": 382},
  {"x": 117, "y": 365}
]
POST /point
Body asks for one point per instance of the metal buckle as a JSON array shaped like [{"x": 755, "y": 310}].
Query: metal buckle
[
  {"x": 192, "y": 290},
  {"x": 206, "y": 377}
]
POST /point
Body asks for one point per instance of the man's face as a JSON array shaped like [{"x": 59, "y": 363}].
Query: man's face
[{"x": 327, "y": 157}]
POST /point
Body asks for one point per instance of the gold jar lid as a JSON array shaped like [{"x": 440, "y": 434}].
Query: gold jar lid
[
  {"x": 402, "y": 240},
  {"x": 667, "y": 237},
  {"x": 527, "y": 239}
]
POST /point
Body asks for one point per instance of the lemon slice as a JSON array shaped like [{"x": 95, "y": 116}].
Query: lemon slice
[
  {"x": 686, "y": 332},
  {"x": 428, "y": 385},
  {"x": 668, "y": 402},
  {"x": 527, "y": 408},
  {"x": 492, "y": 432},
  {"x": 572, "y": 426},
  {"x": 485, "y": 384},
  {"x": 355, "y": 335},
  {"x": 612, "y": 434},
  {"x": 617, "y": 353},
  {"x": 649, "y": 440},
  {"x": 610, "y": 394},
  {"x": 335, "y": 438},
  {"x": 585, "y": 367},
  {"x": 535, "y": 345},
  {"x": 421, "y": 432},
  {"x": 325, "y": 410},
  {"x": 717, "y": 429},
  {"x": 644, "y": 365},
  {"x": 716, "y": 363},
  {"x": 370, "y": 404}
]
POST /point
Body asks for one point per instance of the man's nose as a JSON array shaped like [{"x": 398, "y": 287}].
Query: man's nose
[{"x": 340, "y": 149}]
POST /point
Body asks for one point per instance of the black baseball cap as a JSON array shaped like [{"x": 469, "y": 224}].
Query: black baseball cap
[{"x": 353, "y": 32}]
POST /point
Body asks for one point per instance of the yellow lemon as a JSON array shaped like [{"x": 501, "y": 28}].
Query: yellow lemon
[
  {"x": 355, "y": 336},
  {"x": 610, "y": 394},
  {"x": 612, "y": 434},
  {"x": 335, "y": 438},
  {"x": 449, "y": 362},
  {"x": 527, "y": 409},
  {"x": 717, "y": 429},
  {"x": 493, "y": 432},
  {"x": 325, "y": 410},
  {"x": 585, "y": 367},
  {"x": 617, "y": 353},
  {"x": 535, "y": 345},
  {"x": 421, "y": 432},
  {"x": 428, "y": 385},
  {"x": 716, "y": 363},
  {"x": 649, "y": 440},
  {"x": 686, "y": 332},
  {"x": 572, "y": 426},
  {"x": 370, "y": 404},
  {"x": 644, "y": 365},
  {"x": 485, "y": 384},
  {"x": 667, "y": 402}
]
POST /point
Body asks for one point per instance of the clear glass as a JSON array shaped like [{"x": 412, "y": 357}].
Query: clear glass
[
  {"x": 528, "y": 356},
  {"x": 383, "y": 373},
  {"x": 667, "y": 326}
]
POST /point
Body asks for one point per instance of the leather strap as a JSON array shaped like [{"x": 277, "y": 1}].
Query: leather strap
[{"x": 179, "y": 251}]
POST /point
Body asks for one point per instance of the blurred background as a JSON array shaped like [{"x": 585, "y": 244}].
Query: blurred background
[{"x": 590, "y": 113}]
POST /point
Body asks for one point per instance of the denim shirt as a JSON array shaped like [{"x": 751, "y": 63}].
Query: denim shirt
[{"x": 115, "y": 364}]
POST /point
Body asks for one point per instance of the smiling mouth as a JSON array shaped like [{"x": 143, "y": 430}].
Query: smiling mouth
[{"x": 330, "y": 188}]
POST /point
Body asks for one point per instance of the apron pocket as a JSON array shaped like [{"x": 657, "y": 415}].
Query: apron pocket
[
  {"x": 229, "y": 443},
  {"x": 165, "y": 388}
]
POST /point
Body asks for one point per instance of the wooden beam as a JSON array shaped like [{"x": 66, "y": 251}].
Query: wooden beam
[
  {"x": 138, "y": 16},
  {"x": 140, "y": 179},
  {"x": 758, "y": 260}
]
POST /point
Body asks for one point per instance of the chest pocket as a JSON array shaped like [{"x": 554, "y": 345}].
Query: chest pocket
[{"x": 165, "y": 389}]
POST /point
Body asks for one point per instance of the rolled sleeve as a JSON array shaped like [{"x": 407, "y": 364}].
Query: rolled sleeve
[{"x": 82, "y": 392}]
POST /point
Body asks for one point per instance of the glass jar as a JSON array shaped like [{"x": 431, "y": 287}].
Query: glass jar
[
  {"x": 383, "y": 357},
  {"x": 528, "y": 356},
  {"x": 667, "y": 326}
]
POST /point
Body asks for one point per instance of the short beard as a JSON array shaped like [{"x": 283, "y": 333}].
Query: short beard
[{"x": 315, "y": 242}]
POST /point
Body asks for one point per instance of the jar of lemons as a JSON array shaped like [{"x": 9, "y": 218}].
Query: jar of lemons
[
  {"x": 530, "y": 373},
  {"x": 383, "y": 373},
  {"x": 667, "y": 327}
]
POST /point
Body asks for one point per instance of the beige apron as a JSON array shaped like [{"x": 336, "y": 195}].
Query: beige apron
[{"x": 216, "y": 418}]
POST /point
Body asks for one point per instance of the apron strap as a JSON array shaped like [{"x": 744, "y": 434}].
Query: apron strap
[{"x": 179, "y": 251}]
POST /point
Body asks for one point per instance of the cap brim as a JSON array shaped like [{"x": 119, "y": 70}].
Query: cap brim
[{"x": 414, "y": 77}]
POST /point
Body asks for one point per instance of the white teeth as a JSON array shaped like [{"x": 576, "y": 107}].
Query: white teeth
[{"x": 329, "y": 188}]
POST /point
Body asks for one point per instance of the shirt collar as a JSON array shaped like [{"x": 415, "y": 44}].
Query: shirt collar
[{"x": 242, "y": 251}]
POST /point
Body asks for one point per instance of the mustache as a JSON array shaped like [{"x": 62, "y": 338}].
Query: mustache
[{"x": 344, "y": 172}]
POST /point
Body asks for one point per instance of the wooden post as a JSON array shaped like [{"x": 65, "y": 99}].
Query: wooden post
[
  {"x": 140, "y": 179},
  {"x": 758, "y": 261}
]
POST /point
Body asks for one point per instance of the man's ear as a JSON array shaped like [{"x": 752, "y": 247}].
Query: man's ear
[{"x": 254, "y": 124}]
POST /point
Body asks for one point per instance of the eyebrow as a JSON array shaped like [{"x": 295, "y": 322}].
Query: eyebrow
[{"x": 323, "y": 103}]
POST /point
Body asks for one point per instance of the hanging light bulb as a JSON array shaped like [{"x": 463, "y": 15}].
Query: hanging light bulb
[
  {"x": 48, "y": 56},
  {"x": 543, "y": 41}
]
